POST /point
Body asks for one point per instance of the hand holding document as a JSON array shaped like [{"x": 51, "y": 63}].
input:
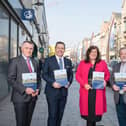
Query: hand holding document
[
  {"x": 115, "y": 87},
  {"x": 29, "y": 80},
  {"x": 35, "y": 93},
  {"x": 98, "y": 80},
  {"x": 61, "y": 77},
  {"x": 29, "y": 91},
  {"x": 56, "y": 85},
  {"x": 87, "y": 86},
  {"x": 120, "y": 79}
]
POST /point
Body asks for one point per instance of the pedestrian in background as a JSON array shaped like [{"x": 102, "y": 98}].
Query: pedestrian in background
[
  {"x": 56, "y": 94},
  {"x": 92, "y": 101},
  {"x": 23, "y": 98},
  {"x": 120, "y": 94}
]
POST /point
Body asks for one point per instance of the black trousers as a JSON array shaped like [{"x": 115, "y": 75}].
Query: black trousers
[
  {"x": 56, "y": 106},
  {"x": 24, "y": 112},
  {"x": 91, "y": 123}
]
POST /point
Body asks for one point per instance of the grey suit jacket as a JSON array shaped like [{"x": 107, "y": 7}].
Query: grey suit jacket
[
  {"x": 116, "y": 68},
  {"x": 17, "y": 66}
]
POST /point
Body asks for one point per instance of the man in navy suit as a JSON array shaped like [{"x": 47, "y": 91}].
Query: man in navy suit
[
  {"x": 23, "y": 98},
  {"x": 56, "y": 94}
]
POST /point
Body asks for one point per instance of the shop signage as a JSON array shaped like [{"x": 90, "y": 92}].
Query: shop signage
[{"x": 27, "y": 14}]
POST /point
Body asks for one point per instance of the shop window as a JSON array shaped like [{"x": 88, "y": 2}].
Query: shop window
[
  {"x": 13, "y": 43},
  {"x": 4, "y": 44}
]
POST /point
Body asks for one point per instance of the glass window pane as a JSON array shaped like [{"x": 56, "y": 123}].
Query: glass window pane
[
  {"x": 13, "y": 49},
  {"x": 4, "y": 25},
  {"x": 16, "y": 5},
  {"x": 125, "y": 26},
  {"x": 4, "y": 31},
  {"x": 22, "y": 35}
]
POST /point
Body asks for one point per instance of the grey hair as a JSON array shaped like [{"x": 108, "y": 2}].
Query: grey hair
[{"x": 122, "y": 48}]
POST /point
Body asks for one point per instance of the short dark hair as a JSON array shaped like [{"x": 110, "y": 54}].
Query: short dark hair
[
  {"x": 87, "y": 58},
  {"x": 60, "y": 42},
  {"x": 26, "y": 41}
]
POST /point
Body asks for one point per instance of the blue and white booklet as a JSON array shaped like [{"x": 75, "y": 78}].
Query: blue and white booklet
[
  {"x": 61, "y": 77},
  {"x": 30, "y": 80},
  {"x": 98, "y": 80},
  {"x": 120, "y": 79}
]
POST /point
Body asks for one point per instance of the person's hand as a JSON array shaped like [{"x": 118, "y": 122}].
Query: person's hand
[
  {"x": 35, "y": 93},
  {"x": 124, "y": 88},
  {"x": 29, "y": 91},
  {"x": 56, "y": 85},
  {"x": 87, "y": 86},
  {"x": 115, "y": 87},
  {"x": 105, "y": 83},
  {"x": 67, "y": 86}
]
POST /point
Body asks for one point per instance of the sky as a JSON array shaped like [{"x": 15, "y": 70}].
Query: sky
[{"x": 73, "y": 20}]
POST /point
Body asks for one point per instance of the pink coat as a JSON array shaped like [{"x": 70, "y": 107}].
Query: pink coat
[{"x": 82, "y": 78}]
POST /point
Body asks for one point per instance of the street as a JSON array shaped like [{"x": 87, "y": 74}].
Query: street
[
  {"x": 40, "y": 33},
  {"x": 71, "y": 115}
]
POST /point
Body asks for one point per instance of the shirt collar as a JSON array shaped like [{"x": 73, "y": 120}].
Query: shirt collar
[
  {"x": 25, "y": 57},
  {"x": 57, "y": 57}
]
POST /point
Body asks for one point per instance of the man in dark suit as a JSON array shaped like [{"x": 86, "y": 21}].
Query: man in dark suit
[
  {"x": 56, "y": 94},
  {"x": 24, "y": 98},
  {"x": 120, "y": 94}
]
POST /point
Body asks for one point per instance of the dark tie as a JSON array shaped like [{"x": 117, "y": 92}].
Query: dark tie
[
  {"x": 60, "y": 63},
  {"x": 29, "y": 65}
]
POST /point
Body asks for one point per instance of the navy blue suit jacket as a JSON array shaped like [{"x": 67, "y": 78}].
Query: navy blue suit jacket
[{"x": 50, "y": 65}]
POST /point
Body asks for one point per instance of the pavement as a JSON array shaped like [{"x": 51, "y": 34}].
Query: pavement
[{"x": 71, "y": 115}]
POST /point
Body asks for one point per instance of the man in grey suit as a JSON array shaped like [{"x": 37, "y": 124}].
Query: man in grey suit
[
  {"x": 120, "y": 94},
  {"x": 24, "y": 97}
]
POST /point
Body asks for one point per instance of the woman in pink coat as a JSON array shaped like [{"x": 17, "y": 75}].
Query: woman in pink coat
[{"x": 92, "y": 101}]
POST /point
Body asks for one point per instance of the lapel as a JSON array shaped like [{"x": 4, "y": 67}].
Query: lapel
[
  {"x": 24, "y": 64},
  {"x": 65, "y": 63},
  {"x": 57, "y": 65},
  {"x": 55, "y": 62}
]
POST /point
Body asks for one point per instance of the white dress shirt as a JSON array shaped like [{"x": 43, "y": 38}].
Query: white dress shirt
[
  {"x": 30, "y": 62},
  {"x": 57, "y": 58}
]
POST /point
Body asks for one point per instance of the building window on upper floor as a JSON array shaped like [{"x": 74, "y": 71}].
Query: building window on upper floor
[
  {"x": 125, "y": 27},
  {"x": 125, "y": 24},
  {"x": 124, "y": 45}
]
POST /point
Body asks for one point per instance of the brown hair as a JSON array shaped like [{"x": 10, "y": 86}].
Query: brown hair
[{"x": 87, "y": 58}]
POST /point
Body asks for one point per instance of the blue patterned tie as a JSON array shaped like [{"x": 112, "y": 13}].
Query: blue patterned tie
[{"x": 60, "y": 63}]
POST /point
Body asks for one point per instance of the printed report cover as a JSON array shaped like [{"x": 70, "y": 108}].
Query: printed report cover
[
  {"x": 98, "y": 80},
  {"x": 61, "y": 77},
  {"x": 120, "y": 79},
  {"x": 29, "y": 80}
]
